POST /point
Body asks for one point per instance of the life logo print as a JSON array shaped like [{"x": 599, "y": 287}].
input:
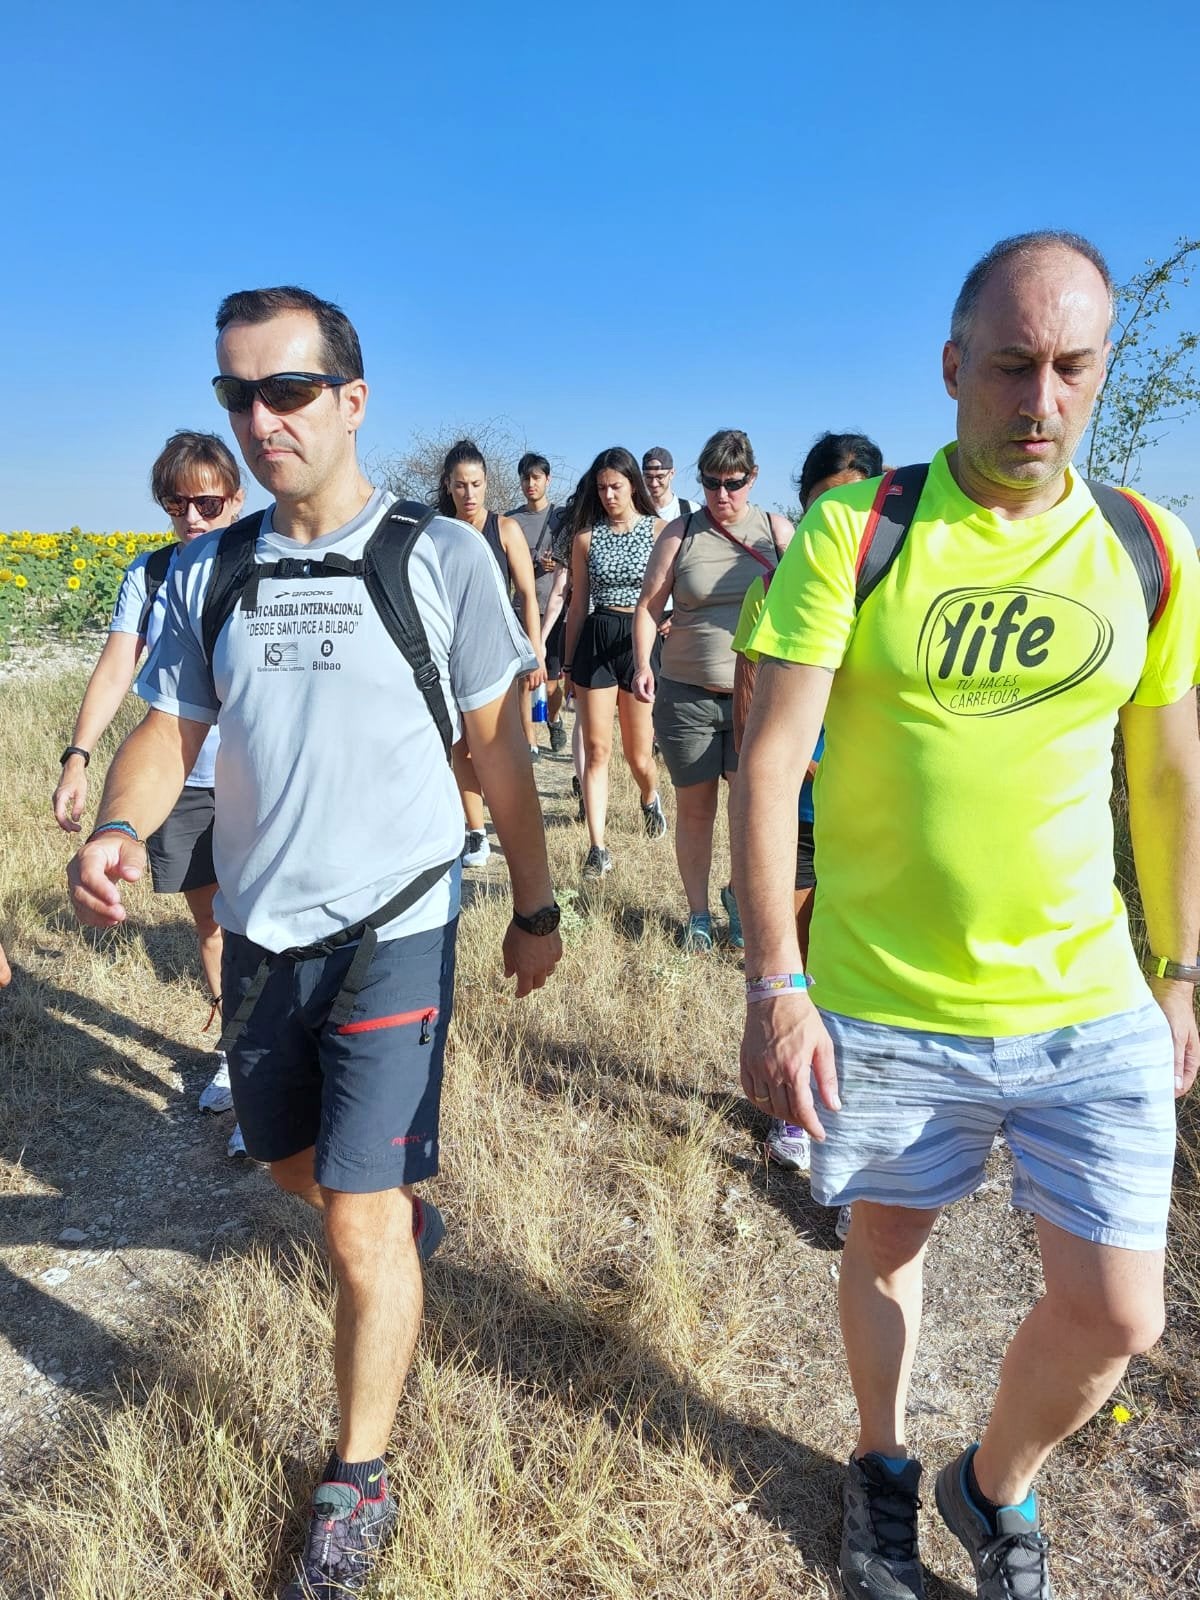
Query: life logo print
[{"x": 989, "y": 652}]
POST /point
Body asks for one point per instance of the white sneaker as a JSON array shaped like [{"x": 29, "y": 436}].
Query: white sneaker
[
  {"x": 842, "y": 1226},
  {"x": 236, "y": 1148},
  {"x": 217, "y": 1095},
  {"x": 789, "y": 1145},
  {"x": 477, "y": 848}
]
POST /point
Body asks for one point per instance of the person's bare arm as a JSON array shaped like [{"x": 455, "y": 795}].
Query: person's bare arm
[
  {"x": 554, "y": 601},
  {"x": 520, "y": 570},
  {"x": 577, "y": 610},
  {"x": 652, "y": 602},
  {"x": 496, "y": 739},
  {"x": 781, "y": 531},
  {"x": 785, "y": 1039},
  {"x": 744, "y": 674},
  {"x": 108, "y": 685},
  {"x": 1162, "y": 763},
  {"x": 143, "y": 783}
]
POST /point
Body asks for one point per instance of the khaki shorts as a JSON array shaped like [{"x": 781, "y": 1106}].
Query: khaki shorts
[{"x": 694, "y": 730}]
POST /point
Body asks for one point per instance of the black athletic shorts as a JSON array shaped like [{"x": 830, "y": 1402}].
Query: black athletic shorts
[
  {"x": 367, "y": 1094},
  {"x": 806, "y": 872},
  {"x": 604, "y": 654},
  {"x": 180, "y": 852},
  {"x": 554, "y": 648}
]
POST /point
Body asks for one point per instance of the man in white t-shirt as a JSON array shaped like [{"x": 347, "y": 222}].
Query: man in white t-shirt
[
  {"x": 658, "y": 469},
  {"x": 336, "y": 845}
]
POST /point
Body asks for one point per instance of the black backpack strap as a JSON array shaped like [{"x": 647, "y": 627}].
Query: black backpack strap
[
  {"x": 157, "y": 566},
  {"x": 232, "y": 573},
  {"x": 1142, "y": 541},
  {"x": 385, "y": 573},
  {"x": 888, "y": 522}
]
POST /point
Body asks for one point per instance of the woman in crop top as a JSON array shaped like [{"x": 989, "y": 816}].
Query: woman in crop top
[
  {"x": 462, "y": 493},
  {"x": 704, "y": 563},
  {"x": 617, "y": 530}
]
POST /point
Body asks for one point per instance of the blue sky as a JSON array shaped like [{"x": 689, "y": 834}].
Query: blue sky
[{"x": 620, "y": 225}]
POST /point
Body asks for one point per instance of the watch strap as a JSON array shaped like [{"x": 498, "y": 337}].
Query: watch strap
[
  {"x": 542, "y": 922},
  {"x": 74, "y": 750},
  {"x": 1181, "y": 971}
]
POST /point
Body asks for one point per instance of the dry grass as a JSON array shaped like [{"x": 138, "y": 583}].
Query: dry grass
[{"x": 629, "y": 1382}]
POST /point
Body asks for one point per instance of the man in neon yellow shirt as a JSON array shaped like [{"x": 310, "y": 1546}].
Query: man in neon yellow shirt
[{"x": 970, "y": 955}]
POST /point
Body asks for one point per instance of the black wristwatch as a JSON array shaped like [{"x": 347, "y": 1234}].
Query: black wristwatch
[
  {"x": 74, "y": 750},
  {"x": 1161, "y": 967},
  {"x": 541, "y": 922}
]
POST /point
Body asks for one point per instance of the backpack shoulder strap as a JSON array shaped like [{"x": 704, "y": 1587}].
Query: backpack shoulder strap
[
  {"x": 887, "y": 526},
  {"x": 231, "y": 573},
  {"x": 385, "y": 573},
  {"x": 1130, "y": 519},
  {"x": 157, "y": 567}
]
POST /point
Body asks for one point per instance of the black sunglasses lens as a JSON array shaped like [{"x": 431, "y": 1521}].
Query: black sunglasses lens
[
  {"x": 282, "y": 395},
  {"x": 235, "y": 394},
  {"x": 208, "y": 505}
]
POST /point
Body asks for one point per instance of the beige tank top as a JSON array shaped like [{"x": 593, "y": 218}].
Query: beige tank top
[{"x": 712, "y": 574}]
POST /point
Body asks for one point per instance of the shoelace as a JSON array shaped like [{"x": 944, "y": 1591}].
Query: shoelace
[
  {"x": 1020, "y": 1560},
  {"x": 893, "y": 1514}
]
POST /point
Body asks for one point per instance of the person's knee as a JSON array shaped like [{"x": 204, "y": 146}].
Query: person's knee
[
  {"x": 890, "y": 1238},
  {"x": 364, "y": 1230},
  {"x": 1113, "y": 1325},
  {"x": 597, "y": 751},
  {"x": 294, "y": 1175}
]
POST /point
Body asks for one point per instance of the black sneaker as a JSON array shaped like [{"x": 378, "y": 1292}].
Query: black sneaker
[
  {"x": 345, "y": 1533},
  {"x": 879, "y": 1531},
  {"x": 1012, "y": 1559},
  {"x": 598, "y": 863},
  {"x": 654, "y": 819},
  {"x": 558, "y": 737},
  {"x": 429, "y": 1227}
]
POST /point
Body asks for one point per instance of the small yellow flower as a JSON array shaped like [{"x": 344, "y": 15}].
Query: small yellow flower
[
  {"x": 1121, "y": 1415},
  {"x": 72, "y": 583},
  {"x": 21, "y": 580},
  {"x": 111, "y": 541},
  {"x": 79, "y": 564},
  {"x": 5, "y": 575}
]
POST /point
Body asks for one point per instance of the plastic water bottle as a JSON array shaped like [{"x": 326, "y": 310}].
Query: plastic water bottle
[{"x": 541, "y": 710}]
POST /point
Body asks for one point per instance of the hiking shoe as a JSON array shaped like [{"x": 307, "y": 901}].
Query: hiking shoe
[
  {"x": 345, "y": 1532},
  {"x": 476, "y": 849},
  {"x": 217, "y": 1095},
  {"x": 698, "y": 934},
  {"x": 729, "y": 901},
  {"x": 597, "y": 863},
  {"x": 842, "y": 1226},
  {"x": 879, "y": 1531},
  {"x": 235, "y": 1145},
  {"x": 558, "y": 737},
  {"x": 1011, "y": 1560},
  {"x": 535, "y": 752},
  {"x": 429, "y": 1227},
  {"x": 653, "y": 819},
  {"x": 789, "y": 1145}
]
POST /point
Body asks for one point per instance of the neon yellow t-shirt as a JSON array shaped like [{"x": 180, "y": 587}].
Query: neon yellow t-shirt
[{"x": 964, "y": 842}]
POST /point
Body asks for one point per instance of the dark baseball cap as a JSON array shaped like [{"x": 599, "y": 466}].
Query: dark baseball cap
[{"x": 663, "y": 457}]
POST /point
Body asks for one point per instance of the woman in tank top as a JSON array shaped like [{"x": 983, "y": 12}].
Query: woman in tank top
[
  {"x": 704, "y": 563},
  {"x": 462, "y": 493},
  {"x": 617, "y": 529}
]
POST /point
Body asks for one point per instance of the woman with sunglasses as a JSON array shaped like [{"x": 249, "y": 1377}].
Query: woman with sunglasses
[
  {"x": 196, "y": 482},
  {"x": 462, "y": 493},
  {"x": 704, "y": 563},
  {"x": 617, "y": 529}
]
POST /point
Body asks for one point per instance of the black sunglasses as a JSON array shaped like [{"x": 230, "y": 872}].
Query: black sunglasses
[
  {"x": 281, "y": 393},
  {"x": 208, "y": 505},
  {"x": 730, "y": 485}
]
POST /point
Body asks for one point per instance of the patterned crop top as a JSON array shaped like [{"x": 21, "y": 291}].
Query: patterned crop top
[{"x": 617, "y": 563}]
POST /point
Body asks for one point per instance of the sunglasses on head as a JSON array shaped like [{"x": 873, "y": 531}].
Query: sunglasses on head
[
  {"x": 281, "y": 393},
  {"x": 730, "y": 485},
  {"x": 208, "y": 505}
]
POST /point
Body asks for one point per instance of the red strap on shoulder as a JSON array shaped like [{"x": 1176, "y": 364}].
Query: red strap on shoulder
[
  {"x": 873, "y": 516},
  {"x": 1159, "y": 545}
]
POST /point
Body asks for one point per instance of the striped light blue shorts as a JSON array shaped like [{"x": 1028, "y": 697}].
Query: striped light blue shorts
[{"x": 1087, "y": 1111}]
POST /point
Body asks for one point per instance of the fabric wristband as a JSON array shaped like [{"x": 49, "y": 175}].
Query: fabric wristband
[
  {"x": 766, "y": 988},
  {"x": 116, "y": 826}
]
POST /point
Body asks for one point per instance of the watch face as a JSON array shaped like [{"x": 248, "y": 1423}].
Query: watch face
[{"x": 541, "y": 922}]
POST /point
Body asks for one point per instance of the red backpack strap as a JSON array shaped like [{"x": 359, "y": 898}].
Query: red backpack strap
[
  {"x": 888, "y": 522},
  {"x": 1134, "y": 525}
]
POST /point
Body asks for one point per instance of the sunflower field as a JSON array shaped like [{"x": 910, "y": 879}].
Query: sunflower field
[{"x": 63, "y": 582}]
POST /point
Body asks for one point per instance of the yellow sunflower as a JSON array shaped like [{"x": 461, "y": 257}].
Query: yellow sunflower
[
  {"x": 72, "y": 583},
  {"x": 79, "y": 564}
]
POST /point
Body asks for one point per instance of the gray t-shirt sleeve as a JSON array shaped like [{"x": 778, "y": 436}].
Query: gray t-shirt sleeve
[
  {"x": 176, "y": 678},
  {"x": 488, "y": 647},
  {"x": 131, "y": 598}
]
